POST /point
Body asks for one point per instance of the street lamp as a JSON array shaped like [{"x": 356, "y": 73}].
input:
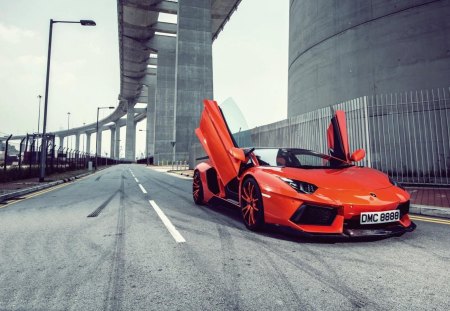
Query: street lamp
[
  {"x": 96, "y": 135},
  {"x": 83, "y": 22}
]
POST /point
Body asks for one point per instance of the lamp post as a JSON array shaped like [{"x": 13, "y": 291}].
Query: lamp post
[
  {"x": 96, "y": 135},
  {"x": 83, "y": 22}
]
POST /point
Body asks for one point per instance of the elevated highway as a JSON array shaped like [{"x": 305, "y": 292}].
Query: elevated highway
[{"x": 166, "y": 66}]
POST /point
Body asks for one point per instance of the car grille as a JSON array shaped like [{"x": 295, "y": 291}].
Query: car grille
[{"x": 314, "y": 215}]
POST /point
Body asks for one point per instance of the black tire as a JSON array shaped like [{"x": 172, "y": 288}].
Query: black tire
[
  {"x": 197, "y": 189},
  {"x": 252, "y": 208}
]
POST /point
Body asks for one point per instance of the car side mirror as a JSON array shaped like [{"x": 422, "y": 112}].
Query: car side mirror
[
  {"x": 358, "y": 155},
  {"x": 237, "y": 153}
]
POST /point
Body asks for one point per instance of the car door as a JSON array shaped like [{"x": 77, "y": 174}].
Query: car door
[
  {"x": 337, "y": 137},
  {"x": 217, "y": 141}
]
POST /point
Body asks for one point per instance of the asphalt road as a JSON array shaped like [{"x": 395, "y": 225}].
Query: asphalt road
[{"x": 54, "y": 257}]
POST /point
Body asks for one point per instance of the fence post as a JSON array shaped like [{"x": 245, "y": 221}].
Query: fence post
[
  {"x": 20, "y": 153},
  {"x": 46, "y": 157},
  {"x": 6, "y": 153},
  {"x": 52, "y": 158},
  {"x": 32, "y": 144},
  {"x": 26, "y": 148},
  {"x": 366, "y": 114}
]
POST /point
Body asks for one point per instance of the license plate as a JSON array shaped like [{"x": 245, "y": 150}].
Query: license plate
[{"x": 379, "y": 217}]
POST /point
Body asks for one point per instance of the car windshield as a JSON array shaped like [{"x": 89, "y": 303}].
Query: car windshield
[{"x": 299, "y": 158}]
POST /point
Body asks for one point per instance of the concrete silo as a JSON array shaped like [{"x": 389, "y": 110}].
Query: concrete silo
[{"x": 344, "y": 49}]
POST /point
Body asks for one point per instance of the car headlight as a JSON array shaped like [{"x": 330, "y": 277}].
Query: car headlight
[
  {"x": 300, "y": 186},
  {"x": 395, "y": 183}
]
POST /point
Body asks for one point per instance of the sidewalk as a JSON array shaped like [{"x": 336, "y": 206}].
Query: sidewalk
[
  {"x": 430, "y": 201},
  {"x": 18, "y": 188}
]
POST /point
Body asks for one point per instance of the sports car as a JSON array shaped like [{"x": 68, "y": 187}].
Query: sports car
[{"x": 313, "y": 193}]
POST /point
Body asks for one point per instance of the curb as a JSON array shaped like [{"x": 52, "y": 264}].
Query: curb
[
  {"x": 25, "y": 191},
  {"x": 180, "y": 173},
  {"x": 443, "y": 212}
]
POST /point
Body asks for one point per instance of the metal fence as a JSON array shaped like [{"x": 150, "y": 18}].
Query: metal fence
[
  {"x": 20, "y": 158},
  {"x": 405, "y": 135}
]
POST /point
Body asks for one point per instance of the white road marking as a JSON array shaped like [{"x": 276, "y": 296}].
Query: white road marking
[
  {"x": 142, "y": 188},
  {"x": 173, "y": 231},
  {"x": 136, "y": 179}
]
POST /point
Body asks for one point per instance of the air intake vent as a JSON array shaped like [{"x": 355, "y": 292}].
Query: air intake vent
[
  {"x": 314, "y": 215},
  {"x": 404, "y": 208}
]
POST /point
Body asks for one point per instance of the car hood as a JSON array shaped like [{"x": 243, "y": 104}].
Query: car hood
[{"x": 349, "y": 178}]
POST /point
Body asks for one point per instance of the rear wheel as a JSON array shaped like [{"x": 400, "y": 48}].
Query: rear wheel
[
  {"x": 197, "y": 189},
  {"x": 252, "y": 205}
]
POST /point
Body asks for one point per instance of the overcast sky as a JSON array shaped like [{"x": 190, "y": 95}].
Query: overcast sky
[{"x": 249, "y": 59}]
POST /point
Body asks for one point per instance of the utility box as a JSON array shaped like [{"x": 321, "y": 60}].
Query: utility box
[{"x": 90, "y": 165}]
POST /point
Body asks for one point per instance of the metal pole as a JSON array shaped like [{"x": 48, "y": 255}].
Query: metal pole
[
  {"x": 20, "y": 153},
  {"x": 6, "y": 153},
  {"x": 26, "y": 148},
  {"x": 44, "y": 129}
]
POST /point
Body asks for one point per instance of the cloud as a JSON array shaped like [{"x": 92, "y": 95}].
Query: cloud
[
  {"x": 13, "y": 34},
  {"x": 31, "y": 60}
]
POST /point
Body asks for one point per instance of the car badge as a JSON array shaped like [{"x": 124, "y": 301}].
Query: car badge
[{"x": 373, "y": 194}]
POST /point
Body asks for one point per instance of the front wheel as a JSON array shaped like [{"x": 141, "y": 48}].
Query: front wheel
[
  {"x": 251, "y": 205},
  {"x": 197, "y": 189}
]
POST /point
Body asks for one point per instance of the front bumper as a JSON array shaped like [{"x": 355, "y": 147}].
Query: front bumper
[
  {"x": 395, "y": 230},
  {"x": 351, "y": 233}
]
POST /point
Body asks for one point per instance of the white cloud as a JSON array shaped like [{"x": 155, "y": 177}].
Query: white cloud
[
  {"x": 13, "y": 34},
  {"x": 31, "y": 60}
]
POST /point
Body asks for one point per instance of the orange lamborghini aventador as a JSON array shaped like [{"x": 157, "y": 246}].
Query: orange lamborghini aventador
[{"x": 313, "y": 193}]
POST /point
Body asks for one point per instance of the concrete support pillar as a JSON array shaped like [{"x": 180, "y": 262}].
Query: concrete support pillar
[
  {"x": 165, "y": 96},
  {"x": 99, "y": 141},
  {"x": 150, "y": 137},
  {"x": 117, "y": 144},
  {"x": 88, "y": 143},
  {"x": 77, "y": 141},
  {"x": 130, "y": 141},
  {"x": 61, "y": 141},
  {"x": 194, "y": 73},
  {"x": 113, "y": 140}
]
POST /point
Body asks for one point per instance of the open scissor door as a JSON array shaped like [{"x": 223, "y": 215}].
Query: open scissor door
[
  {"x": 217, "y": 141},
  {"x": 337, "y": 137}
]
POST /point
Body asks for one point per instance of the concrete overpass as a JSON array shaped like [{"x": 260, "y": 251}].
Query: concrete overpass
[{"x": 167, "y": 67}]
